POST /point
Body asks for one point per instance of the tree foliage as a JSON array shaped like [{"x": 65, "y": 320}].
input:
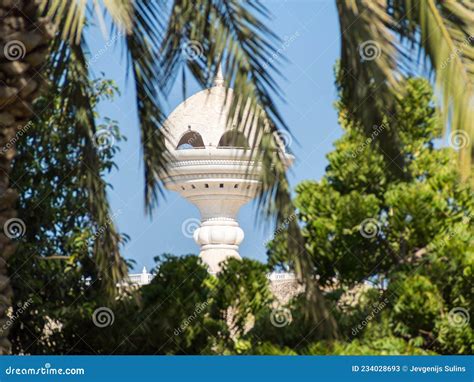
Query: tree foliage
[
  {"x": 57, "y": 270},
  {"x": 409, "y": 236},
  {"x": 383, "y": 40}
]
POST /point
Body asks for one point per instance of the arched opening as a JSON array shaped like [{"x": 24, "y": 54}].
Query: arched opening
[
  {"x": 233, "y": 138},
  {"x": 190, "y": 140}
]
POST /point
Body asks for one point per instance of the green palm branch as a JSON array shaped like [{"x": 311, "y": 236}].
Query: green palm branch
[{"x": 383, "y": 40}]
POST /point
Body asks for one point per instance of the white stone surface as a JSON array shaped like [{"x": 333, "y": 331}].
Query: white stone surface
[
  {"x": 217, "y": 179},
  {"x": 140, "y": 279}
]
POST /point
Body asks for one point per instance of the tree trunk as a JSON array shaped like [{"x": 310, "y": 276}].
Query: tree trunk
[{"x": 24, "y": 38}]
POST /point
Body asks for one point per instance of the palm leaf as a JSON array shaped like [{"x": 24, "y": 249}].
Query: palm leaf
[
  {"x": 70, "y": 15},
  {"x": 368, "y": 70},
  {"x": 142, "y": 52},
  {"x": 447, "y": 30},
  {"x": 406, "y": 33},
  {"x": 70, "y": 78},
  {"x": 146, "y": 19}
]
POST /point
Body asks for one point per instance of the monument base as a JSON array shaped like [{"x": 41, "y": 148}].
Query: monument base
[{"x": 213, "y": 257}]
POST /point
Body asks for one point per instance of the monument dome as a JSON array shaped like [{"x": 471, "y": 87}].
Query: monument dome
[{"x": 213, "y": 166}]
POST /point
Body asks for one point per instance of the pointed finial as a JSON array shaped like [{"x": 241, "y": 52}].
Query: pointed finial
[
  {"x": 144, "y": 270},
  {"x": 219, "y": 79}
]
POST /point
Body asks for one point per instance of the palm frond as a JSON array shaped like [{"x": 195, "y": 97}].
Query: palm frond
[
  {"x": 446, "y": 40},
  {"x": 369, "y": 70},
  {"x": 146, "y": 20},
  {"x": 70, "y": 15},
  {"x": 402, "y": 34},
  {"x": 70, "y": 76},
  {"x": 122, "y": 13},
  {"x": 142, "y": 52}
]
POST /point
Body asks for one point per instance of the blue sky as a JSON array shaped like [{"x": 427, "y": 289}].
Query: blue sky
[{"x": 311, "y": 32}]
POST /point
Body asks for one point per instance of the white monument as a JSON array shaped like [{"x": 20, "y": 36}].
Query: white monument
[{"x": 212, "y": 166}]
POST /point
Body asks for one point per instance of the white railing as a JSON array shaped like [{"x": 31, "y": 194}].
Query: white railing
[{"x": 145, "y": 278}]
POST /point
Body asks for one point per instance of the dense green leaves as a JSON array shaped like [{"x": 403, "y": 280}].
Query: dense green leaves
[
  {"x": 61, "y": 268},
  {"x": 409, "y": 236},
  {"x": 174, "y": 317}
]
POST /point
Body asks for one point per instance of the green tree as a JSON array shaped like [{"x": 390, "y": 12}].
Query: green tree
[
  {"x": 56, "y": 272},
  {"x": 193, "y": 314},
  {"x": 409, "y": 236},
  {"x": 174, "y": 317}
]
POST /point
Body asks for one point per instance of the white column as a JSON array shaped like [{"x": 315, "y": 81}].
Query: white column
[{"x": 219, "y": 235}]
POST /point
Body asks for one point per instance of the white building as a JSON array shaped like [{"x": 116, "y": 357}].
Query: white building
[
  {"x": 213, "y": 167},
  {"x": 140, "y": 279}
]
